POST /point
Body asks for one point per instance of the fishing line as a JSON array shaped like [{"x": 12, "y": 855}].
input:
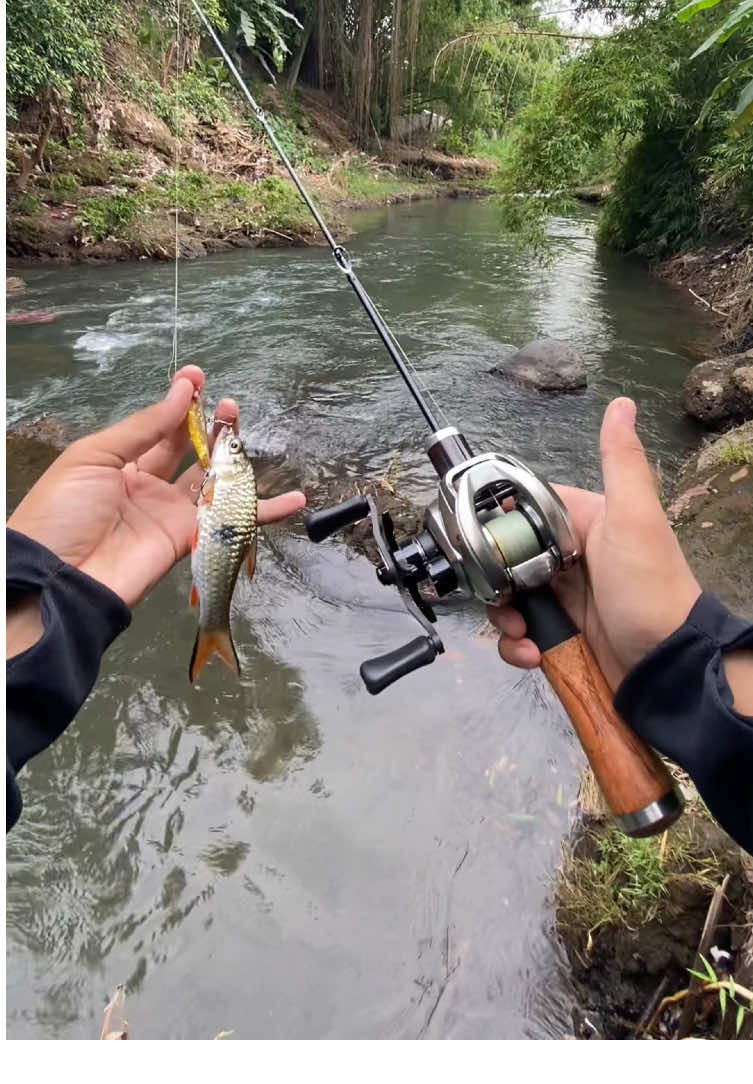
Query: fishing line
[
  {"x": 176, "y": 168},
  {"x": 342, "y": 258}
]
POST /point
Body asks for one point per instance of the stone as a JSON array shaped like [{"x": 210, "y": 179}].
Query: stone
[
  {"x": 15, "y": 286},
  {"x": 720, "y": 390},
  {"x": 133, "y": 124},
  {"x": 546, "y": 364}
]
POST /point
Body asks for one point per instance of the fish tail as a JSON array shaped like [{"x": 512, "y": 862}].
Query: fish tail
[{"x": 212, "y": 642}]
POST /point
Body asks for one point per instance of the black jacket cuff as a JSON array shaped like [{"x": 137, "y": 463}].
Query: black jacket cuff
[
  {"x": 47, "y": 684},
  {"x": 679, "y": 701}
]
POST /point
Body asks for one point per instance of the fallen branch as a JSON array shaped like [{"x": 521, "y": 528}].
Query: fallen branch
[{"x": 707, "y": 303}]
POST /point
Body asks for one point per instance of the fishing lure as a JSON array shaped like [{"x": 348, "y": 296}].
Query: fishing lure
[{"x": 197, "y": 429}]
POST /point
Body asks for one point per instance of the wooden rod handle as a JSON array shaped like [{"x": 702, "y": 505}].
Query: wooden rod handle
[{"x": 637, "y": 787}]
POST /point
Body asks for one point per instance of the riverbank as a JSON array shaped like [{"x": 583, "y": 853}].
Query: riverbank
[{"x": 114, "y": 196}]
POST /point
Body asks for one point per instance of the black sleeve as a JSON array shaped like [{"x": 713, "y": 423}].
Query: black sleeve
[
  {"x": 48, "y": 683},
  {"x": 678, "y": 700}
]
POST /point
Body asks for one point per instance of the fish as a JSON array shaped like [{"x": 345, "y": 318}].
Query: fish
[
  {"x": 224, "y": 541},
  {"x": 196, "y": 420}
]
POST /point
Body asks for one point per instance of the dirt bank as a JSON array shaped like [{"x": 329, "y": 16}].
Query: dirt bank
[
  {"x": 720, "y": 279},
  {"x": 114, "y": 198},
  {"x": 712, "y": 513}
]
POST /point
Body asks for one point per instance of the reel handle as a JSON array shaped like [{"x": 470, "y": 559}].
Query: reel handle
[
  {"x": 635, "y": 783},
  {"x": 320, "y": 525},
  {"x": 380, "y": 672}
]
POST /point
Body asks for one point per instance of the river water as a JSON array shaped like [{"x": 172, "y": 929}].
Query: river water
[{"x": 284, "y": 855}]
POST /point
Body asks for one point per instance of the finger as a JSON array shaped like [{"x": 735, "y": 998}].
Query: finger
[
  {"x": 278, "y": 508},
  {"x": 583, "y": 507},
  {"x": 507, "y": 620},
  {"x": 134, "y": 436},
  {"x": 629, "y": 482},
  {"x": 164, "y": 458},
  {"x": 225, "y": 414},
  {"x": 522, "y": 653}
]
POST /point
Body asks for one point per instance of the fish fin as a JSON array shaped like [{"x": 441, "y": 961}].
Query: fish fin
[
  {"x": 250, "y": 560},
  {"x": 217, "y": 642},
  {"x": 195, "y": 539},
  {"x": 194, "y": 597},
  {"x": 207, "y": 491}
]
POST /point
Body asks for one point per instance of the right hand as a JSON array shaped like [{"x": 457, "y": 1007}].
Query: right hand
[{"x": 634, "y": 587}]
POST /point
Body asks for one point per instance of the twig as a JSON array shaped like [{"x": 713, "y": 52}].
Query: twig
[
  {"x": 707, "y": 936},
  {"x": 268, "y": 229},
  {"x": 648, "y": 1013},
  {"x": 707, "y": 303}
]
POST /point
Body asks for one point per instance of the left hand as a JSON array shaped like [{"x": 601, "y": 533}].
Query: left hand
[{"x": 108, "y": 506}]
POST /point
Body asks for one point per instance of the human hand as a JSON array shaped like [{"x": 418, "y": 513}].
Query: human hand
[
  {"x": 108, "y": 507},
  {"x": 634, "y": 587}
]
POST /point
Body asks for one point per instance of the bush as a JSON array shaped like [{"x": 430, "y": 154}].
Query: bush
[
  {"x": 105, "y": 216},
  {"x": 29, "y": 204},
  {"x": 202, "y": 98},
  {"x": 62, "y": 187}
]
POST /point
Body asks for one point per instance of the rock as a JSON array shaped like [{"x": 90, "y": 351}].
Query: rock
[
  {"x": 30, "y": 448},
  {"x": 14, "y": 286},
  {"x": 720, "y": 390},
  {"x": 546, "y": 364},
  {"x": 592, "y": 193},
  {"x": 133, "y": 124}
]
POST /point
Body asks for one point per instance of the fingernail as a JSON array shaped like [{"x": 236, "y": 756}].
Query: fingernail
[{"x": 624, "y": 410}]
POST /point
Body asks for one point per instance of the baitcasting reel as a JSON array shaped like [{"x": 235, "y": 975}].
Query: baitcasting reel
[
  {"x": 494, "y": 530},
  {"x": 497, "y": 532}
]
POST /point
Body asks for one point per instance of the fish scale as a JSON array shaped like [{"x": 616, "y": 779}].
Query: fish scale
[{"x": 225, "y": 538}]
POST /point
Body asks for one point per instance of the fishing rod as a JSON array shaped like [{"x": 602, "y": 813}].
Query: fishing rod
[{"x": 496, "y": 532}]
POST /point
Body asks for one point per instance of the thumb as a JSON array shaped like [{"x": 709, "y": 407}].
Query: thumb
[
  {"x": 141, "y": 431},
  {"x": 629, "y": 481}
]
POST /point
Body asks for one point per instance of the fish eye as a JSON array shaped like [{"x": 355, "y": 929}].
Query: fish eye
[{"x": 235, "y": 445}]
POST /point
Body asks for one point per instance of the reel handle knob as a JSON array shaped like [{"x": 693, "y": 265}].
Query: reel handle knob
[
  {"x": 380, "y": 672},
  {"x": 635, "y": 783},
  {"x": 320, "y": 525}
]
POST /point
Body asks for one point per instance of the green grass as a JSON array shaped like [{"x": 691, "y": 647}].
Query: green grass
[
  {"x": 361, "y": 181},
  {"x": 626, "y": 881},
  {"x": 735, "y": 454}
]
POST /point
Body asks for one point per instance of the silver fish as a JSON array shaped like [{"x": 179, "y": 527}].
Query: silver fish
[{"x": 225, "y": 539}]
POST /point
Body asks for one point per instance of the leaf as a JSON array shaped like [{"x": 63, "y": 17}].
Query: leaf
[
  {"x": 744, "y": 109},
  {"x": 693, "y": 7},
  {"x": 739, "y": 1019},
  {"x": 709, "y": 969},
  {"x": 697, "y": 974},
  {"x": 741, "y": 15},
  {"x": 732, "y": 988},
  {"x": 247, "y": 29},
  {"x": 723, "y": 1001}
]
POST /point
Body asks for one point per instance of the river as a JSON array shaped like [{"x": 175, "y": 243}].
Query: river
[{"x": 285, "y": 856}]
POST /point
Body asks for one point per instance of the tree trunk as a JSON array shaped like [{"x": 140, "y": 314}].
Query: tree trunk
[
  {"x": 396, "y": 73},
  {"x": 295, "y": 67},
  {"x": 364, "y": 71},
  {"x": 31, "y": 161}
]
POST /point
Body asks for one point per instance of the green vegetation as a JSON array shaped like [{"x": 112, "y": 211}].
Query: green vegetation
[{"x": 623, "y": 881}]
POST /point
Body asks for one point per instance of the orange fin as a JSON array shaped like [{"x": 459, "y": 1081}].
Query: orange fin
[
  {"x": 195, "y": 539},
  {"x": 250, "y": 561},
  {"x": 194, "y": 597},
  {"x": 217, "y": 642},
  {"x": 207, "y": 491}
]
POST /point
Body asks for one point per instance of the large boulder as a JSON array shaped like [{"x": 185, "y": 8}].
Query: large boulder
[
  {"x": 546, "y": 364},
  {"x": 133, "y": 125},
  {"x": 720, "y": 390}
]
